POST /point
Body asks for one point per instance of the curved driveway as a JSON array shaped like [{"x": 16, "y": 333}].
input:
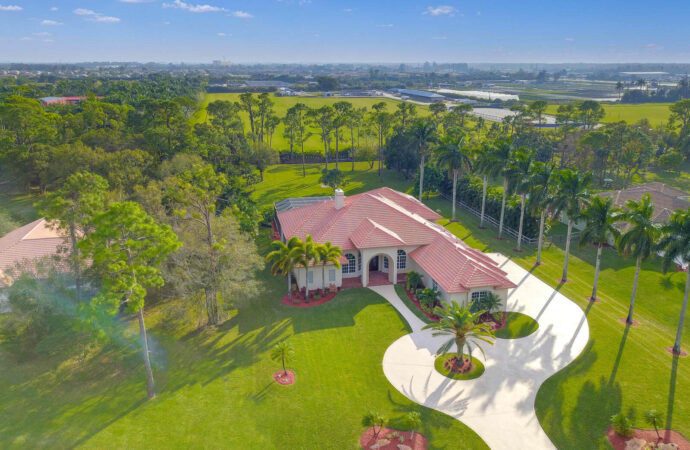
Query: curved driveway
[{"x": 499, "y": 405}]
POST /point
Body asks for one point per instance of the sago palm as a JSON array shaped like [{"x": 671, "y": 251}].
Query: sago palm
[
  {"x": 601, "y": 217},
  {"x": 284, "y": 258},
  {"x": 455, "y": 154},
  {"x": 676, "y": 247},
  {"x": 461, "y": 326},
  {"x": 640, "y": 240},
  {"x": 571, "y": 198}
]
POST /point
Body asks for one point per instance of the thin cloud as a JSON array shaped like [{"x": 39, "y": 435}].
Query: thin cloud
[
  {"x": 54, "y": 8},
  {"x": 179, "y": 4},
  {"x": 439, "y": 38},
  {"x": 385, "y": 25},
  {"x": 42, "y": 33},
  {"x": 93, "y": 16},
  {"x": 570, "y": 39},
  {"x": 10, "y": 8},
  {"x": 49, "y": 22},
  {"x": 136, "y": 1},
  {"x": 241, "y": 15},
  {"x": 348, "y": 10},
  {"x": 441, "y": 10},
  {"x": 222, "y": 35}
]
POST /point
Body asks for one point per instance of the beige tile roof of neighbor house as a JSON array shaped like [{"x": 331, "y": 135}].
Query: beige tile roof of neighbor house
[
  {"x": 26, "y": 245},
  {"x": 387, "y": 218},
  {"x": 665, "y": 198}
]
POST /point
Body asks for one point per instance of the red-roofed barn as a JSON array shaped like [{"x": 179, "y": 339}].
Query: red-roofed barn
[{"x": 384, "y": 233}]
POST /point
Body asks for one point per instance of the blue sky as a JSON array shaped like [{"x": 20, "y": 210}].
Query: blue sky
[{"x": 344, "y": 31}]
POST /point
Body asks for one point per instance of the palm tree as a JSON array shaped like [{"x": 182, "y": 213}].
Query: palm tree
[
  {"x": 654, "y": 418},
  {"x": 424, "y": 133},
  {"x": 461, "y": 325},
  {"x": 306, "y": 254},
  {"x": 485, "y": 166},
  {"x": 284, "y": 352},
  {"x": 412, "y": 420},
  {"x": 620, "y": 87},
  {"x": 676, "y": 246},
  {"x": 571, "y": 197},
  {"x": 519, "y": 170},
  {"x": 541, "y": 195},
  {"x": 500, "y": 162},
  {"x": 284, "y": 259},
  {"x": 328, "y": 253},
  {"x": 374, "y": 419},
  {"x": 601, "y": 217},
  {"x": 455, "y": 155},
  {"x": 639, "y": 240}
]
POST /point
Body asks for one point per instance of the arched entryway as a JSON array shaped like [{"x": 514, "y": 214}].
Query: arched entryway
[{"x": 379, "y": 269}]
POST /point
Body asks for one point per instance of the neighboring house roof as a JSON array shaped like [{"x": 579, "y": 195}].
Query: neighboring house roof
[
  {"x": 665, "y": 198},
  {"x": 27, "y": 244},
  {"x": 387, "y": 218}
]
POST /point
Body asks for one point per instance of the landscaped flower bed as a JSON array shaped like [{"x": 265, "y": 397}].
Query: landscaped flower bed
[
  {"x": 390, "y": 439},
  {"x": 448, "y": 365},
  {"x": 413, "y": 299},
  {"x": 649, "y": 438},
  {"x": 299, "y": 301}
]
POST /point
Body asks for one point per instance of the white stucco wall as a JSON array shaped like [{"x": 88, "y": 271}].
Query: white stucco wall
[{"x": 318, "y": 271}]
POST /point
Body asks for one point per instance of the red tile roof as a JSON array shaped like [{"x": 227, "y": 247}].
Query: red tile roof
[
  {"x": 27, "y": 244},
  {"x": 387, "y": 218}
]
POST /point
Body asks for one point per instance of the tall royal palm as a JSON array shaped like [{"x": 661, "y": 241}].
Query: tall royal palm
[
  {"x": 541, "y": 194},
  {"x": 571, "y": 198},
  {"x": 425, "y": 133},
  {"x": 601, "y": 217},
  {"x": 676, "y": 246},
  {"x": 455, "y": 154},
  {"x": 500, "y": 162},
  {"x": 485, "y": 166},
  {"x": 639, "y": 240},
  {"x": 462, "y": 327},
  {"x": 328, "y": 254},
  {"x": 284, "y": 258},
  {"x": 519, "y": 170}
]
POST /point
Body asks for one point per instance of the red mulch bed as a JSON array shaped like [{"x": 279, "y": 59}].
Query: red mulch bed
[
  {"x": 624, "y": 321},
  {"x": 679, "y": 268},
  {"x": 452, "y": 365},
  {"x": 667, "y": 436},
  {"x": 435, "y": 318},
  {"x": 418, "y": 443},
  {"x": 682, "y": 354},
  {"x": 414, "y": 300},
  {"x": 312, "y": 301},
  {"x": 283, "y": 378}
]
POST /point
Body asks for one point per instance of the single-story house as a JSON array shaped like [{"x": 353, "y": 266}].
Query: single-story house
[
  {"x": 384, "y": 233},
  {"x": 666, "y": 199},
  {"x": 24, "y": 247}
]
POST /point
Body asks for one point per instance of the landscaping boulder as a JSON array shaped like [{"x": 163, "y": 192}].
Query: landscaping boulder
[
  {"x": 669, "y": 446},
  {"x": 380, "y": 443},
  {"x": 635, "y": 444}
]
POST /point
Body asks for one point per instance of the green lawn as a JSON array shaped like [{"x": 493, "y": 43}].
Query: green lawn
[
  {"x": 619, "y": 370},
  {"x": 656, "y": 113},
  {"x": 283, "y": 103},
  {"x": 471, "y": 375},
  {"x": 411, "y": 306},
  {"x": 518, "y": 326},
  {"x": 215, "y": 387}
]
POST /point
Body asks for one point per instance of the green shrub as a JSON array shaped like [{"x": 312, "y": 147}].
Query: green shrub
[
  {"x": 414, "y": 279},
  {"x": 428, "y": 298},
  {"x": 622, "y": 425}
]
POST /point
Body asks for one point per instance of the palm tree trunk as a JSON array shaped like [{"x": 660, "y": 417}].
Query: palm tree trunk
[
  {"x": 681, "y": 320},
  {"x": 352, "y": 147},
  {"x": 503, "y": 207},
  {"x": 522, "y": 218},
  {"x": 455, "y": 189},
  {"x": 460, "y": 342},
  {"x": 421, "y": 178},
  {"x": 306, "y": 289},
  {"x": 289, "y": 280},
  {"x": 337, "y": 138},
  {"x": 486, "y": 182},
  {"x": 564, "y": 278},
  {"x": 629, "y": 320},
  {"x": 301, "y": 140},
  {"x": 540, "y": 242},
  {"x": 150, "y": 387},
  {"x": 596, "y": 274}
]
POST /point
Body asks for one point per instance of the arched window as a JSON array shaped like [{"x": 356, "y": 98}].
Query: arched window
[
  {"x": 351, "y": 265},
  {"x": 402, "y": 259}
]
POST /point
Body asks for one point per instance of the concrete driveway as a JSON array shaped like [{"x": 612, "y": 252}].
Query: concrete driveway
[{"x": 499, "y": 405}]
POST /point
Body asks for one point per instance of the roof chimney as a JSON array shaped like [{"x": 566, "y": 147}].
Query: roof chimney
[{"x": 339, "y": 198}]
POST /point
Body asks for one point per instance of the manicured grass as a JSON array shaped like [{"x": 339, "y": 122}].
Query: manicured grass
[
  {"x": 282, "y": 104},
  {"x": 286, "y": 180},
  {"x": 411, "y": 306},
  {"x": 215, "y": 388},
  {"x": 656, "y": 113},
  {"x": 621, "y": 369},
  {"x": 476, "y": 372},
  {"x": 518, "y": 325}
]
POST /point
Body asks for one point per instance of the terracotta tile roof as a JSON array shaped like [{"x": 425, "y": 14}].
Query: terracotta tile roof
[
  {"x": 387, "y": 218},
  {"x": 26, "y": 245},
  {"x": 665, "y": 198}
]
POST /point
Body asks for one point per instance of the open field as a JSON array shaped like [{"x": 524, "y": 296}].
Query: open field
[
  {"x": 215, "y": 388},
  {"x": 656, "y": 113},
  {"x": 283, "y": 103}
]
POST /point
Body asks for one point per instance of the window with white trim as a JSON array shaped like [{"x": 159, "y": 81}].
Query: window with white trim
[
  {"x": 331, "y": 275},
  {"x": 402, "y": 259},
  {"x": 385, "y": 262},
  {"x": 434, "y": 285},
  {"x": 349, "y": 267},
  {"x": 359, "y": 262},
  {"x": 479, "y": 295}
]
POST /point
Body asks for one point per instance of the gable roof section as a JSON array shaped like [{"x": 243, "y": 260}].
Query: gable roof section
[
  {"x": 665, "y": 199},
  {"x": 31, "y": 242},
  {"x": 370, "y": 234}
]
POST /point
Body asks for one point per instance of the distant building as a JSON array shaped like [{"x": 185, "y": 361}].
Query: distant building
[
  {"x": 61, "y": 100},
  {"x": 267, "y": 84},
  {"x": 421, "y": 96},
  {"x": 666, "y": 199}
]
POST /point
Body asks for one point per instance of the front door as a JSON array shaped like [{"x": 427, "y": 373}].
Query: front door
[{"x": 374, "y": 264}]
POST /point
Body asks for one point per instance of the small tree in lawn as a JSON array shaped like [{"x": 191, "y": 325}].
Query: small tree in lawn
[
  {"x": 374, "y": 419},
  {"x": 413, "y": 421},
  {"x": 654, "y": 418},
  {"x": 283, "y": 352},
  {"x": 127, "y": 245}
]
